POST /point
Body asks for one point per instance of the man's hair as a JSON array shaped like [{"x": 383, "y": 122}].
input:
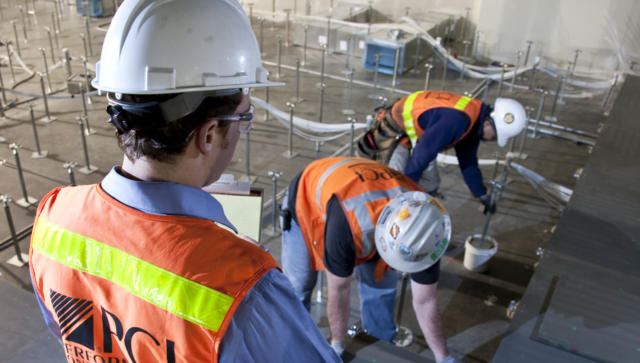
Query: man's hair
[{"x": 163, "y": 143}]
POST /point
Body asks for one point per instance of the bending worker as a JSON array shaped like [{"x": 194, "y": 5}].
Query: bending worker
[
  {"x": 409, "y": 134},
  {"x": 136, "y": 268},
  {"x": 332, "y": 214}
]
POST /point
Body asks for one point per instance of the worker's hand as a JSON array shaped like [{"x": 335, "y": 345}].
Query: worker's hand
[
  {"x": 489, "y": 208},
  {"x": 449, "y": 359}
]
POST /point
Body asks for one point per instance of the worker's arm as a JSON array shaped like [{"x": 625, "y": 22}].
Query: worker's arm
[
  {"x": 338, "y": 305},
  {"x": 441, "y": 128},
  {"x": 272, "y": 324},
  {"x": 467, "y": 153},
  {"x": 425, "y": 304}
]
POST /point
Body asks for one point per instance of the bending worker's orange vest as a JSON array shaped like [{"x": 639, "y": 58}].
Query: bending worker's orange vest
[
  {"x": 126, "y": 286},
  {"x": 363, "y": 188},
  {"x": 407, "y": 110}
]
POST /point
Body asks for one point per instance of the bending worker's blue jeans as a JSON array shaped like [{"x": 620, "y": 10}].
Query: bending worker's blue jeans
[{"x": 377, "y": 300}]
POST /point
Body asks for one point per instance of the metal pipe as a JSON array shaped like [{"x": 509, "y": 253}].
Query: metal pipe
[
  {"x": 375, "y": 74},
  {"x": 462, "y": 71},
  {"x": 555, "y": 99},
  {"x": 15, "y": 33},
  {"x": 504, "y": 68},
  {"x": 279, "y": 56},
  {"x": 416, "y": 56},
  {"x": 251, "y": 14},
  {"x": 5, "y": 202},
  {"x": 46, "y": 68},
  {"x": 539, "y": 113},
  {"x": 290, "y": 139},
  {"x": 427, "y": 76},
  {"x": 324, "y": 51},
  {"x": 287, "y": 26},
  {"x": 532, "y": 79},
  {"x": 328, "y": 31},
  {"x": 395, "y": 70},
  {"x": 526, "y": 57},
  {"x": 247, "y": 153},
  {"x": 55, "y": 30},
  {"x": 495, "y": 189},
  {"x": 35, "y": 130},
  {"x": 53, "y": 57},
  {"x": 69, "y": 165},
  {"x": 352, "y": 120},
  {"x": 67, "y": 62},
  {"x": 515, "y": 72},
  {"x": 304, "y": 49},
  {"x": 262, "y": 36},
  {"x": 84, "y": 142},
  {"x": 403, "y": 290},
  {"x": 605, "y": 103},
  {"x": 274, "y": 178},
  {"x": 523, "y": 137},
  {"x": 475, "y": 44},
  {"x": 44, "y": 97},
  {"x": 266, "y": 99},
  {"x": 86, "y": 25},
  {"x": 9, "y": 54},
  {"x": 87, "y": 131},
  {"x": 84, "y": 45},
  {"x": 445, "y": 65},
  {"x": 24, "y": 24},
  {"x": 23, "y": 187},
  {"x": 575, "y": 60},
  {"x": 297, "y": 99},
  {"x": 4, "y": 94}
]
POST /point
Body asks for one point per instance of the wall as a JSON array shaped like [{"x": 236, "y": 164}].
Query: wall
[{"x": 558, "y": 27}]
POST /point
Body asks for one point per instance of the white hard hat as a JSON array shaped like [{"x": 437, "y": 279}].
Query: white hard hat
[
  {"x": 179, "y": 46},
  {"x": 412, "y": 232},
  {"x": 509, "y": 118}
]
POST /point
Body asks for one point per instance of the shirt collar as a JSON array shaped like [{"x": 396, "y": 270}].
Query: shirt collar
[{"x": 164, "y": 198}]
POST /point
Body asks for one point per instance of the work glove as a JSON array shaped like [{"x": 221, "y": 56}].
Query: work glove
[
  {"x": 449, "y": 359},
  {"x": 338, "y": 347},
  {"x": 489, "y": 208}
]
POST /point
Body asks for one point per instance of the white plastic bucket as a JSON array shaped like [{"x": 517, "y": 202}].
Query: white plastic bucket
[{"x": 478, "y": 254}]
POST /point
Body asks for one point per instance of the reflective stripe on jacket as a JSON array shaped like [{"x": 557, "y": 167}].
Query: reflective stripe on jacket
[
  {"x": 130, "y": 286},
  {"x": 363, "y": 188},
  {"x": 407, "y": 110}
]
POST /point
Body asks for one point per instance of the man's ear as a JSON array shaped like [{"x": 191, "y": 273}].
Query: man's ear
[{"x": 204, "y": 136}]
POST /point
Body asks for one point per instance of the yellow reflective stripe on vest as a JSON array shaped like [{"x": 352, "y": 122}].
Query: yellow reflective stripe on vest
[
  {"x": 462, "y": 103},
  {"x": 408, "y": 120},
  {"x": 189, "y": 300}
]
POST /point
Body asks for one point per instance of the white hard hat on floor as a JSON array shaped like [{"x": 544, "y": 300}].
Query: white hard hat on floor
[
  {"x": 508, "y": 118},
  {"x": 412, "y": 232}
]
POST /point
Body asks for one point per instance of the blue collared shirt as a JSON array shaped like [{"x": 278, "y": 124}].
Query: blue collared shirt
[
  {"x": 270, "y": 324},
  {"x": 443, "y": 126}
]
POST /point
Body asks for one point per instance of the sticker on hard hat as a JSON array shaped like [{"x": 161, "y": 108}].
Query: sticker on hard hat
[
  {"x": 508, "y": 118},
  {"x": 394, "y": 231}
]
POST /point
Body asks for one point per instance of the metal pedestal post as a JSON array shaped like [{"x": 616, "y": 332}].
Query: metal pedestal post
[
  {"x": 289, "y": 154},
  {"x": 26, "y": 200},
  {"x": 48, "y": 117},
  {"x": 20, "y": 259},
  {"x": 88, "y": 168},
  {"x": 70, "y": 165},
  {"x": 274, "y": 201},
  {"x": 39, "y": 154},
  {"x": 427, "y": 76}
]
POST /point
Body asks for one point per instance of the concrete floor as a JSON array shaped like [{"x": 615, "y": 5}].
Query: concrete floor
[{"x": 473, "y": 305}]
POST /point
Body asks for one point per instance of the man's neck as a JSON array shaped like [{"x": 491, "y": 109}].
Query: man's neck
[{"x": 151, "y": 170}]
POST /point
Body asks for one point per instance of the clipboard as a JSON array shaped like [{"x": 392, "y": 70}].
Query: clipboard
[{"x": 244, "y": 211}]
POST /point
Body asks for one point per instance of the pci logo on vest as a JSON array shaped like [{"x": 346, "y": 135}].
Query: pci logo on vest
[
  {"x": 371, "y": 172},
  {"x": 75, "y": 318}
]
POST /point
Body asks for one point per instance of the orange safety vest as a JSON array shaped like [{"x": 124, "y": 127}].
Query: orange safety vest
[
  {"x": 363, "y": 188},
  {"x": 127, "y": 286},
  {"x": 407, "y": 110}
]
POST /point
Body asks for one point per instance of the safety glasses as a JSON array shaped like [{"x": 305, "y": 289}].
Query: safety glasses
[{"x": 245, "y": 116}]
